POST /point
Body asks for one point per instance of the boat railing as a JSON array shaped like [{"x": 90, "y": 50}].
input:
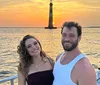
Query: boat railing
[{"x": 11, "y": 79}]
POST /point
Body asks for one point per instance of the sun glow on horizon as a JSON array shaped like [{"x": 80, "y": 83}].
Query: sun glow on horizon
[{"x": 35, "y": 12}]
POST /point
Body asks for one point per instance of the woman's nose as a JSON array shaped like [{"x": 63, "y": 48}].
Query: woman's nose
[{"x": 33, "y": 46}]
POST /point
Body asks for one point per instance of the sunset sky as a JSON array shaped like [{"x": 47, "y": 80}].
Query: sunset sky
[{"x": 27, "y": 13}]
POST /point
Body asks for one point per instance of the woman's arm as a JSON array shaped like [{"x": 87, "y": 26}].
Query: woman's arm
[{"x": 21, "y": 79}]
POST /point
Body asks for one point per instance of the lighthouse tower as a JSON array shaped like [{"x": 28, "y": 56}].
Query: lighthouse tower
[{"x": 50, "y": 22}]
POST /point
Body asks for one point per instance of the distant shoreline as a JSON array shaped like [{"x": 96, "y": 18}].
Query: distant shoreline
[{"x": 92, "y": 27}]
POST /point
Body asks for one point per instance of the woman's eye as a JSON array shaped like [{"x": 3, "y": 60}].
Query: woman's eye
[
  {"x": 28, "y": 46},
  {"x": 35, "y": 43}
]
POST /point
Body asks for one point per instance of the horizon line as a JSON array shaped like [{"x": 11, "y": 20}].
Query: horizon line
[{"x": 41, "y": 26}]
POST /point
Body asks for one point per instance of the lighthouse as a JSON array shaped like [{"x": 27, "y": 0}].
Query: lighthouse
[{"x": 50, "y": 22}]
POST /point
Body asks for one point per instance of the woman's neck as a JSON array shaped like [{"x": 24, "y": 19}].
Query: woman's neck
[{"x": 37, "y": 59}]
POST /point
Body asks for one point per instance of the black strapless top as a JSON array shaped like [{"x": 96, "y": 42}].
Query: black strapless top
[{"x": 41, "y": 78}]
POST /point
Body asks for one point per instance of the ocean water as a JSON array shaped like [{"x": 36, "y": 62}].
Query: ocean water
[{"x": 51, "y": 44}]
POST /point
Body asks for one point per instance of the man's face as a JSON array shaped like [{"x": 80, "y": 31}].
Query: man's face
[{"x": 70, "y": 38}]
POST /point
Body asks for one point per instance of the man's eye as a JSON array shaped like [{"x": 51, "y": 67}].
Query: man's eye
[
  {"x": 64, "y": 35},
  {"x": 71, "y": 35}
]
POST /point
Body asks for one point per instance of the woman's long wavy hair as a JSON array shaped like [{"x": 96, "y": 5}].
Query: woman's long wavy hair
[{"x": 25, "y": 58}]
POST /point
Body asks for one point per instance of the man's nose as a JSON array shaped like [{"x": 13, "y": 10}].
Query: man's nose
[{"x": 67, "y": 38}]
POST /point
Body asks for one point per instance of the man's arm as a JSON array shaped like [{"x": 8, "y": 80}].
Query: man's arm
[
  {"x": 87, "y": 75},
  {"x": 58, "y": 56}
]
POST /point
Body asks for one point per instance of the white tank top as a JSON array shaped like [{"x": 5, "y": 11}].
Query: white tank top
[{"x": 62, "y": 73}]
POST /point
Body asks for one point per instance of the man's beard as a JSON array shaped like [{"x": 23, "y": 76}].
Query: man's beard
[{"x": 73, "y": 45}]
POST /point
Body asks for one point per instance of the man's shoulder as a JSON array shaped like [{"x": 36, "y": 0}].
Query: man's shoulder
[
  {"x": 84, "y": 63},
  {"x": 85, "y": 72},
  {"x": 84, "y": 66},
  {"x": 58, "y": 56}
]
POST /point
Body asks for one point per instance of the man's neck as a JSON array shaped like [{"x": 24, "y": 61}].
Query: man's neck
[{"x": 74, "y": 53}]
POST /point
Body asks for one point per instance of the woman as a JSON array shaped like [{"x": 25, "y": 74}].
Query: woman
[{"x": 34, "y": 66}]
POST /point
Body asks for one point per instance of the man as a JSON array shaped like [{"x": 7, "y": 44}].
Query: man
[{"x": 72, "y": 67}]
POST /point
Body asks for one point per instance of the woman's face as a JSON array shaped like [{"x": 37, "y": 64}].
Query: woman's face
[{"x": 33, "y": 47}]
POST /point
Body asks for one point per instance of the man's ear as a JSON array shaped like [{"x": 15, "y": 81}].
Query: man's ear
[{"x": 79, "y": 38}]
